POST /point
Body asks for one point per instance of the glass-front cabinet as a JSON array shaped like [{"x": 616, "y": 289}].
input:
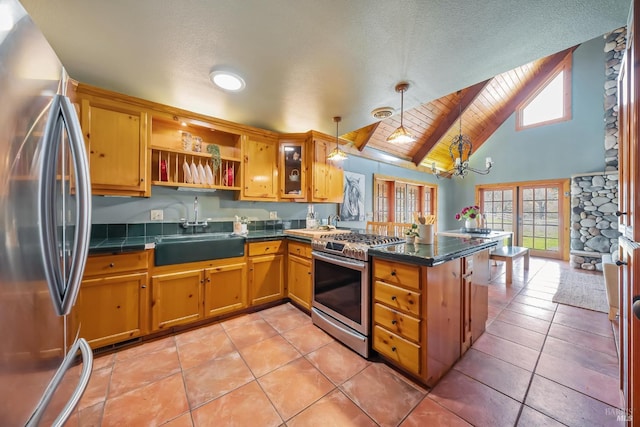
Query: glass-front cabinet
[{"x": 293, "y": 167}]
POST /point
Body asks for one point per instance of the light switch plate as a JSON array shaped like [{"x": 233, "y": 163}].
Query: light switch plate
[
  {"x": 273, "y": 215},
  {"x": 157, "y": 214}
]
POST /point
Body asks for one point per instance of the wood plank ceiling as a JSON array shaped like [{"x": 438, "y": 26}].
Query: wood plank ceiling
[{"x": 485, "y": 106}]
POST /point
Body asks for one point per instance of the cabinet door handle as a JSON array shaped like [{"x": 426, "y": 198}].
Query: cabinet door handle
[
  {"x": 393, "y": 298},
  {"x": 620, "y": 263},
  {"x": 111, "y": 265},
  {"x": 394, "y": 321},
  {"x": 618, "y": 213},
  {"x": 393, "y": 272},
  {"x": 144, "y": 286},
  {"x": 393, "y": 348}
]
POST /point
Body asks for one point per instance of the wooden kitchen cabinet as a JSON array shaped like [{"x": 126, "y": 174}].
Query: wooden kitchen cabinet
[
  {"x": 266, "y": 271},
  {"x": 113, "y": 301},
  {"x": 116, "y": 136},
  {"x": 326, "y": 184},
  {"x": 225, "y": 289},
  {"x": 259, "y": 169},
  {"x": 397, "y": 296},
  {"x": 474, "y": 297},
  {"x": 293, "y": 165},
  {"x": 176, "y": 298},
  {"x": 172, "y": 145},
  {"x": 186, "y": 293},
  {"x": 417, "y": 316},
  {"x": 299, "y": 283}
]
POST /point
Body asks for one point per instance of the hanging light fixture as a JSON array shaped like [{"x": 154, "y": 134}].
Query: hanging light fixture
[
  {"x": 460, "y": 151},
  {"x": 401, "y": 135},
  {"x": 337, "y": 154}
]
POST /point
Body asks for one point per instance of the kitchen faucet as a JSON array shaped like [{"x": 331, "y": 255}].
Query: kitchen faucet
[{"x": 195, "y": 223}]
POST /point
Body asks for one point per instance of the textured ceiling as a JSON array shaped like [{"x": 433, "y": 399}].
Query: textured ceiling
[{"x": 305, "y": 61}]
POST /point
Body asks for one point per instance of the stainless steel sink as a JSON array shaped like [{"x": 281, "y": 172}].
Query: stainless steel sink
[{"x": 197, "y": 247}]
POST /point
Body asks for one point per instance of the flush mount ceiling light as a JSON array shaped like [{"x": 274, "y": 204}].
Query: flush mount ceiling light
[
  {"x": 337, "y": 153},
  {"x": 227, "y": 80},
  {"x": 460, "y": 151},
  {"x": 382, "y": 112},
  {"x": 401, "y": 135}
]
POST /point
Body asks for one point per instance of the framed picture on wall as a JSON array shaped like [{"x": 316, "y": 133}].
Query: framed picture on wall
[{"x": 352, "y": 206}]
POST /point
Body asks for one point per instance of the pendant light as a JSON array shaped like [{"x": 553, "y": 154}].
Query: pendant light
[
  {"x": 337, "y": 154},
  {"x": 401, "y": 135}
]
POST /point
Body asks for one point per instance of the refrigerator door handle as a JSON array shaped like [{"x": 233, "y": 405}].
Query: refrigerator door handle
[
  {"x": 64, "y": 290},
  {"x": 87, "y": 365}
]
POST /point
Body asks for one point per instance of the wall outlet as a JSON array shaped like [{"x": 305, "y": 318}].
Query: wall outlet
[
  {"x": 273, "y": 215},
  {"x": 157, "y": 214}
]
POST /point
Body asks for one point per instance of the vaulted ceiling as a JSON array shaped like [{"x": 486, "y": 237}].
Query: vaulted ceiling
[{"x": 477, "y": 111}]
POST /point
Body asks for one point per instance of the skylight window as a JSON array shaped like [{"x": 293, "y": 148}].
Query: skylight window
[{"x": 549, "y": 104}]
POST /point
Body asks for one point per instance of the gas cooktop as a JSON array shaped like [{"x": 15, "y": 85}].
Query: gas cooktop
[{"x": 352, "y": 245}]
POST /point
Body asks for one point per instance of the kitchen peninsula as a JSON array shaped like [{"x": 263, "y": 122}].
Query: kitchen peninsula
[{"x": 430, "y": 303}]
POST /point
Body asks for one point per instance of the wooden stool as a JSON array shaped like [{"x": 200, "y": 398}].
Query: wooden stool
[{"x": 508, "y": 254}]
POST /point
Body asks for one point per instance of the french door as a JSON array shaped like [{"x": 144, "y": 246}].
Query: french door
[{"x": 536, "y": 212}]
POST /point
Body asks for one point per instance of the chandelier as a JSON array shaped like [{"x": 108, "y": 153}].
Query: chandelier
[
  {"x": 460, "y": 151},
  {"x": 337, "y": 154}
]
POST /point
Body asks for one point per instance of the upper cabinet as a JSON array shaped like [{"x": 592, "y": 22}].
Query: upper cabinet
[
  {"x": 187, "y": 152},
  {"x": 293, "y": 164},
  {"x": 116, "y": 135},
  {"x": 259, "y": 168},
  {"x": 327, "y": 176},
  {"x": 133, "y": 144}
]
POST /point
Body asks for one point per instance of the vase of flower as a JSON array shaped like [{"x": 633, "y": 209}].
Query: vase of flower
[
  {"x": 470, "y": 216},
  {"x": 470, "y": 223}
]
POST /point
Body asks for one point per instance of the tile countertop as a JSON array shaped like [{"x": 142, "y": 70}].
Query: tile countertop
[
  {"x": 125, "y": 244},
  {"x": 442, "y": 250}
]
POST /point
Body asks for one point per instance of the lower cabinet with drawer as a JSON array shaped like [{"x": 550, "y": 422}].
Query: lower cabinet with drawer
[
  {"x": 299, "y": 286},
  {"x": 113, "y": 301},
  {"x": 266, "y": 271},
  {"x": 417, "y": 316}
]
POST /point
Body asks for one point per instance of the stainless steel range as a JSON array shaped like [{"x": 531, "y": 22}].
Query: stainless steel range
[{"x": 341, "y": 289}]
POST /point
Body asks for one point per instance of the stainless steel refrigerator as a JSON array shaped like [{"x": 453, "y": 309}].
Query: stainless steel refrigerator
[{"x": 45, "y": 220}]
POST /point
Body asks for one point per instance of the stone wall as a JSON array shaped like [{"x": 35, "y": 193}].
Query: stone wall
[
  {"x": 594, "y": 197},
  {"x": 594, "y": 225},
  {"x": 614, "y": 45}
]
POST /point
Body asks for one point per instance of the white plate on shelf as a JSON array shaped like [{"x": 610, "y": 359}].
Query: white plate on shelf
[
  {"x": 187, "y": 172},
  {"x": 201, "y": 174},
  {"x": 194, "y": 173},
  {"x": 209, "y": 174}
]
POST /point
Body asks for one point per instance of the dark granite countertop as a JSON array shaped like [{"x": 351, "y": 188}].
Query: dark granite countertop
[{"x": 444, "y": 249}]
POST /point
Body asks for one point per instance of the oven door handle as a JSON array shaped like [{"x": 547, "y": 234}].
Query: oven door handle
[{"x": 344, "y": 262}]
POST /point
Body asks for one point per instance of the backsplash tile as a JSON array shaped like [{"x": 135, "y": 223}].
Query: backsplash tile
[{"x": 151, "y": 229}]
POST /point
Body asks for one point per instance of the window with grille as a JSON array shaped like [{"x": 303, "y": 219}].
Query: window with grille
[
  {"x": 534, "y": 211},
  {"x": 399, "y": 200}
]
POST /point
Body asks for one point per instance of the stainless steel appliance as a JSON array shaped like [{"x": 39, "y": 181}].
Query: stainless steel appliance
[
  {"x": 45, "y": 219},
  {"x": 341, "y": 287}
]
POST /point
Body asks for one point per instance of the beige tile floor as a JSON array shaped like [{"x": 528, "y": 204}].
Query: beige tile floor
[{"x": 539, "y": 363}]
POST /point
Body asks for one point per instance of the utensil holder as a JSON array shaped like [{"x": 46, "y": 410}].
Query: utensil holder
[{"x": 426, "y": 234}]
